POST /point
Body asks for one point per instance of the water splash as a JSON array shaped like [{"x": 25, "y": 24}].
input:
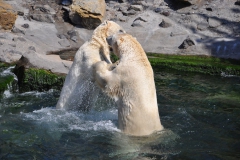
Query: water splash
[{"x": 61, "y": 120}]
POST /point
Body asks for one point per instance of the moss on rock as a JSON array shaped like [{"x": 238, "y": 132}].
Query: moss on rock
[
  {"x": 5, "y": 81},
  {"x": 38, "y": 79},
  {"x": 200, "y": 64}
]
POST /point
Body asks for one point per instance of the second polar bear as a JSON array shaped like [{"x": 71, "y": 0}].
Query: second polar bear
[
  {"x": 79, "y": 91},
  {"x": 132, "y": 86}
]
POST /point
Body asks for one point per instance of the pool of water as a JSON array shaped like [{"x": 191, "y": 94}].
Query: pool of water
[{"x": 200, "y": 113}]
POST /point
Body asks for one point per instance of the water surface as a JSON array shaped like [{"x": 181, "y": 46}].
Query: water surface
[{"x": 200, "y": 113}]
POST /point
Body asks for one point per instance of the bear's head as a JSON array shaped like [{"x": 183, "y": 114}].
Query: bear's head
[
  {"x": 104, "y": 30},
  {"x": 122, "y": 43}
]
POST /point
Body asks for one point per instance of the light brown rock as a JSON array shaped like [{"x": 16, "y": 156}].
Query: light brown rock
[
  {"x": 7, "y": 16},
  {"x": 88, "y": 13}
]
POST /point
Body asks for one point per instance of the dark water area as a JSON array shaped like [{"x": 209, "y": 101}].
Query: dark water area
[{"x": 200, "y": 113}]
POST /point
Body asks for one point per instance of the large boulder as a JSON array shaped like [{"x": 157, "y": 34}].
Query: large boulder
[
  {"x": 7, "y": 16},
  {"x": 87, "y": 13}
]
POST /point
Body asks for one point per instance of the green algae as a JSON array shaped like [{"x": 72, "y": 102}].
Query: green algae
[
  {"x": 199, "y": 64},
  {"x": 38, "y": 79},
  {"x": 5, "y": 81}
]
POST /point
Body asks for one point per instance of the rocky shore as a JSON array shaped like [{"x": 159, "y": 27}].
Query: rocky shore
[{"x": 38, "y": 33}]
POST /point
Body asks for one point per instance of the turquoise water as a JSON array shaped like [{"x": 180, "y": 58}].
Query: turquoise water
[{"x": 200, "y": 113}]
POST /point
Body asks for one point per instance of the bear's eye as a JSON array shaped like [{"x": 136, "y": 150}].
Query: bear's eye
[{"x": 121, "y": 31}]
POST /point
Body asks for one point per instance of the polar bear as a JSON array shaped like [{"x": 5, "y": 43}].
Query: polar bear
[
  {"x": 131, "y": 84},
  {"x": 79, "y": 91}
]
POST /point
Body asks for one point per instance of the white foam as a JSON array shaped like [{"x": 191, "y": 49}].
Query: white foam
[
  {"x": 67, "y": 121},
  {"x": 7, "y": 93}
]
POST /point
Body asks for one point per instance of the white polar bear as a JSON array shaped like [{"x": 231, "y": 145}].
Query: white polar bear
[
  {"x": 132, "y": 86},
  {"x": 79, "y": 91}
]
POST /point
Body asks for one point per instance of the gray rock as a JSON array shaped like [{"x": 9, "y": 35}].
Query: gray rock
[
  {"x": 214, "y": 22},
  {"x": 25, "y": 25},
  {"x": 164, "y": 24},
  {"x": 123, "y": 18},
  {"x": 44, "y": 9},
  {"x": 10, "y": 56},
  {"x": 3, "y": 36},
  {"x": 66, "y": 2},
  {"x": 141, "y": 19},
  {"x": 52, "y": 63},
  {"x": 20, "y": 13},
  {"x": 17, "y": 30},
  {"x": 163, "y": 4},
  {"x": 129, "y": 12},
  {"x": 21, "y": 39},
  {"x": 137, "y": 23},
  {"x": 66, "y": 8},
  {"x": 32, "y": 48},
  {"x": 61, "y": 36},
  {"x": 74, "y": 38},
  {"x": 165, "y": 13},
  {"x": 64, "y": 43},
  {"x": 158, "y": 10},
  {"x": 12, "y": 44},
  {"x": 49, "y": 9},
  {"x": 73, "y": 35},
  {"x": 237, "y": 2},
  {"x": 1, "y": 43},
  {"x": 136, "y": 7},
  {"x": 43, "y": 18},
  {"x": 186, "y": 43},
  {"x": 202, "y": 26},
  {"x": 195, "y": 7}
]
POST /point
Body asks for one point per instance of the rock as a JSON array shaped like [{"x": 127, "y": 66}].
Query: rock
[
  {"x": 141, "y": 19},
  {"x": 163, "y": 4},
  {"x": 202, "y": 26},
  {"x": 12, "y": 45},
  {"x": 32, "y": 48},
  {"x": 64, "y": 43},
  {"x": 237, "y": 2},
  {"x": 186, "y": 43},
  {"x": 61, "y": 36},
  {"x": 7, "y": 16},
  {"x": 195, "y": 7},
  {"x": 88, "y": 13},
  {"x": 158, "y": 10},
  {"x": 20, "y": 13},
  {"x": 136, "y": 7},
  {"x": 44, "y": 9},
  {"x": 137, "y": 23},
  {"x": 66, "y": 8},
  {"x": 123, "y": 18},
  {"x": 1, "y": 43},
  {"x": 214, "y": 22},
  {"x": 21, "y": 39},
  {"x": 52, "y": 63},
  {"x": 17, "y": 30},
  {"x": 10, "y": 56},
  {"x": 25, "y": 25},
  {"x": 73, "y": 35},
  {"x": 129, "y": 12},
  {"x": 43, "y": 18},
  {"x": 164, "y": 24},
  {"x": 66, "y": 2},
  {"x": 165, "y": 13},
  {"x": 209, "y": 9}
]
